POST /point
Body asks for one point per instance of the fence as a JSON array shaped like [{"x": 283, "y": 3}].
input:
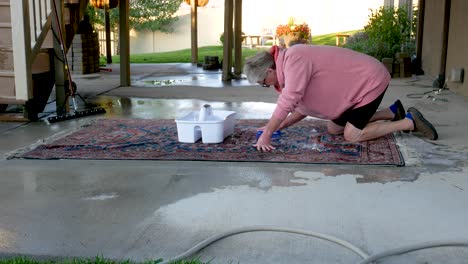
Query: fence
[{"x": 102, "y": 42}]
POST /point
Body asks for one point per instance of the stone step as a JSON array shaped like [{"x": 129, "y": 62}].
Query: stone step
[
  {"x": 40, "y": 67},
  {"x": 6, "y": 59},
  {"x": 7, "y": 74},
  {"x": 7, "y": 87},
  {"x": 5, "y": 32},
  {"x": 5, "y": 16}
]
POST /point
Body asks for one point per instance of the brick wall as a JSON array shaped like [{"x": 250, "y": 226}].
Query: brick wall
[{"x": 83, "y": 56}]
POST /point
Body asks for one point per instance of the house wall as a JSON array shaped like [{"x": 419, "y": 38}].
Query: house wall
[
  {"x": 431, "y": 55},
  {"x": 457, "y": 55},
  {"x": 432, "y": 43},
  {"x": 210, "y": 27}
]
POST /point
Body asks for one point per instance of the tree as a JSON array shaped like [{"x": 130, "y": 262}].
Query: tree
[
  {"x": 144, "y": 15},
  {"x": 153, "y": 14}
]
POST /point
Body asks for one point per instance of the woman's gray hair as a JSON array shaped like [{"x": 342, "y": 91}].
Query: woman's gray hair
[{"x": 255, "y": 67}]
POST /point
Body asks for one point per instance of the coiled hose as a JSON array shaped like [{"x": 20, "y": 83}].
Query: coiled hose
[{"x": 366, "y": 258}]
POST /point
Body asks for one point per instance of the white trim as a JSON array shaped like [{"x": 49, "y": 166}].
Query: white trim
[{"x": 21, "y": 36}]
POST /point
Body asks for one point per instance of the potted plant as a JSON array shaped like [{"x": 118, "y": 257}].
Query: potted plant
[{"x": 292, "y": 33}]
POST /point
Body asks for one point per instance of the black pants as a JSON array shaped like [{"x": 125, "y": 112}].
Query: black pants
[{"x": 359, "y": 117}]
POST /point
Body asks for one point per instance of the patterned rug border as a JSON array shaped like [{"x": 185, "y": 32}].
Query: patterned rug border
[{"x": 18, "y": 154}]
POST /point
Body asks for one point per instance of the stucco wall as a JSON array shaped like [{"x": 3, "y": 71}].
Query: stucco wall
[
  {"x": 433, "y": 37},
  {"x": 457, "y": 55},
  {"x": 210, "y": 27}
]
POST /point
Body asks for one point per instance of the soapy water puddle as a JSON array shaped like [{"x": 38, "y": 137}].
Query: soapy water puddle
[
  {"x": 151, "y": 83},
  {"x": 420, "y": 156},
  {"x": 430, "y": 155},
  {"x": 101, "y": 197},
  {"x": 174, "y": 80},
  {"x": 162, "y": 82},
  {"x": 209, "y": 80}
]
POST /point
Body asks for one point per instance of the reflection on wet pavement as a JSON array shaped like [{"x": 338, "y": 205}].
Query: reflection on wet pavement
[
  {"x": 172, "y": 108},
  {"x": 207, "y": 80},
  {"x": 7, "y": 239}
]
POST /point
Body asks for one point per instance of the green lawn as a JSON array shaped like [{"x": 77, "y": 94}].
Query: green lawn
[
  {"x": 185, "y": 55},
  {"x": 330, "y": 39},
  {"x": 97, "y": 260}
]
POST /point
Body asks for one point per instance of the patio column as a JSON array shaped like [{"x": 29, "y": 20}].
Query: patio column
[
  {"x": 194, "y": 31},
  {"x": 228, "y": 39},
  {"x": 124, "y": 42},
  {"x": 237, "y": 38}
]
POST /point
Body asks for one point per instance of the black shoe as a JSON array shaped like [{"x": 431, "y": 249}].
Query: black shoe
[
  {"x": 400, "y": 113},
  {"x": 422, "y": 125}
]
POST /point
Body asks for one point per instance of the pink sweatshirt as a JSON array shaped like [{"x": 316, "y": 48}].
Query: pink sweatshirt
[{"x": 325, "y": 81}]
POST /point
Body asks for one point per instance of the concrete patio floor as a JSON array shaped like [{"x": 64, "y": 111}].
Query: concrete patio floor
[{"x": 143, "y": 210}]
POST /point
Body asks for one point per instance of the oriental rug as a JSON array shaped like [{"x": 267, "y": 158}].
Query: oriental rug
[{"x": 142, "y": 139}]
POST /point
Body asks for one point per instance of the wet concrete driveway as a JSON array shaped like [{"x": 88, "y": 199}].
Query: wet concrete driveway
[{"x": 143, "y": 210}]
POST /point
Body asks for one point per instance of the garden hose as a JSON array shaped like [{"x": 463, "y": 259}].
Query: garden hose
[{"x": 366, "y": 258}]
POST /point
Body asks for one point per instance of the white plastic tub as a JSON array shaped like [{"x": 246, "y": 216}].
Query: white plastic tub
[{"x": 212, "y": 126}]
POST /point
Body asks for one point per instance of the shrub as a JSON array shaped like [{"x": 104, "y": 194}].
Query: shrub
[
  {"x": 388, "y": 31},
  {"x": 221, "y": 37},
  {"x": 358, "y": 42}
]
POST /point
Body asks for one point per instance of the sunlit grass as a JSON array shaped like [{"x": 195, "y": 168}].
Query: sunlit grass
[
  {"x": 330, "y": 39},
  {"x": 185, "y": 55}
]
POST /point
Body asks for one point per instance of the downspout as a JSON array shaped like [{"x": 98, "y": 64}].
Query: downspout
[
  {"x": 440, "y": 81},
  {"x": 419, "y": 41}
]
